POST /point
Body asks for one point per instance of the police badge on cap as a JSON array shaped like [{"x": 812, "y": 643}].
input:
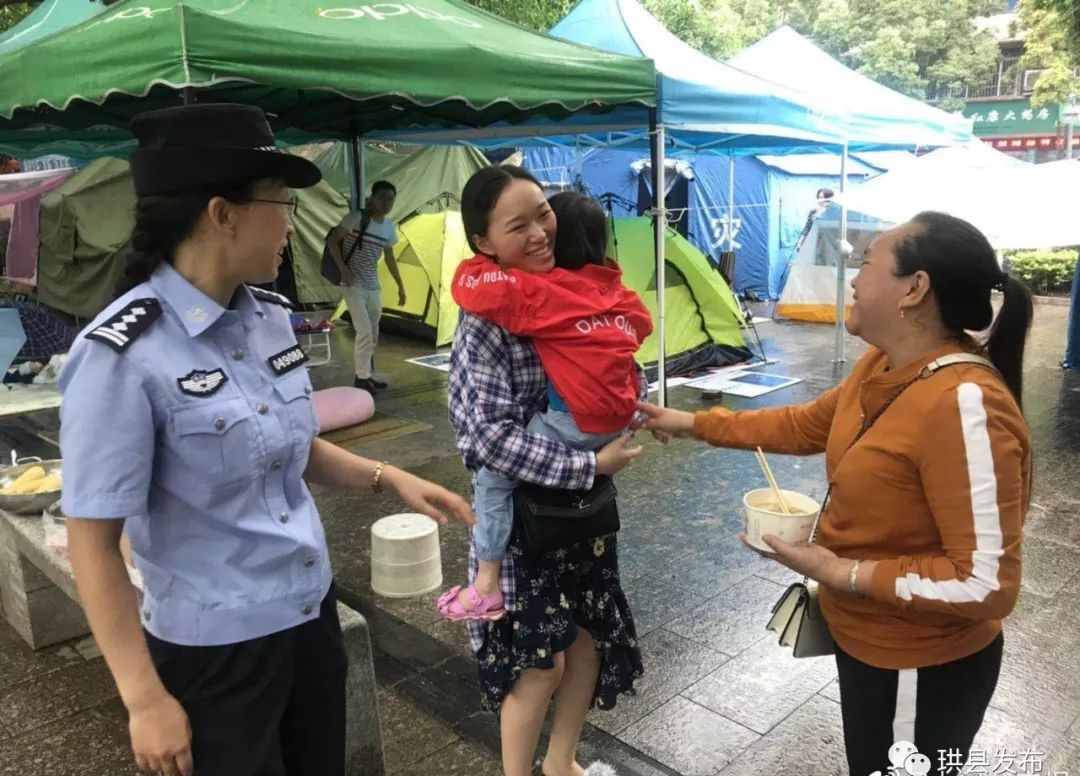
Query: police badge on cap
[{"x": 193, "y": 146}]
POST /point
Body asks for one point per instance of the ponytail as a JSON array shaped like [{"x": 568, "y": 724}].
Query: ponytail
[
  {"x": 1008, "y": 335},
  {"x": 963, "y": 270},
  {"x": 162, "y": 223}
]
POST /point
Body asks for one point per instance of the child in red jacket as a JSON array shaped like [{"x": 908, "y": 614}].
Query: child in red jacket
[{"x": 586, "y": 327}]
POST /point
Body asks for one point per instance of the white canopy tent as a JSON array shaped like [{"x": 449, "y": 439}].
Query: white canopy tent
[{"x": 1014, "y": 203}]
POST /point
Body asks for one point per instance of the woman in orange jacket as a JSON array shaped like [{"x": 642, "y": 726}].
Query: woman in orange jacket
[{"x": 918, "y": 550}]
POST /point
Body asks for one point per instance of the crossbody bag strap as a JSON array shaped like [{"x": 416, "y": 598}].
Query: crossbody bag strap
[
  {"x": 928, "y": 370},
  {"x": 365, "y": 222}
]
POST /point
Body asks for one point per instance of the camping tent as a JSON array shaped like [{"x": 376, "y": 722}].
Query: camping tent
[
  {"x": 86, "y": 222},
  {"x": 419, "y": 173},
  {"x": 810, "y": 291},
  {"x": 703, "y": 319},
  {"x": 85, "y": 227},
  {"x": 20, "y": 209},
  {"x": 773, "y": 195},
  {"x": 430, "y": 246}
]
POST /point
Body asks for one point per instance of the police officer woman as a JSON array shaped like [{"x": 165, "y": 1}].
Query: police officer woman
[{"x": 187, "y": 422}]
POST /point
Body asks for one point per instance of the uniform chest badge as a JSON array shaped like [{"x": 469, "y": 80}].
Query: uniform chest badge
[
  {"x": 287, "y": 360},
  {"x": 202, "y": 383}
]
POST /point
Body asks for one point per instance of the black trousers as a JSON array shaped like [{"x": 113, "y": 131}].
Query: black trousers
[
  {"x": 938, "y": 709},
  {"x": 272, "y": 706}
]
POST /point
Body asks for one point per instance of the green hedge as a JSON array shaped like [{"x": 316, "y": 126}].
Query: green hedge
[{"x": 1045, "y": 272}]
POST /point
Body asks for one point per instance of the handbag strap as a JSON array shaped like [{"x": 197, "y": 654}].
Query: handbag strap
[{"x": 928, "y": 370}]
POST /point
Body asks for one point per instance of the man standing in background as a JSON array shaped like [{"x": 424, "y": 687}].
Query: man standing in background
[{"x": 356, "y": 245}]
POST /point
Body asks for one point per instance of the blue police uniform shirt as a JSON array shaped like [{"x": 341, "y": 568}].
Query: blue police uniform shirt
[{"x": 194, "y": 423}]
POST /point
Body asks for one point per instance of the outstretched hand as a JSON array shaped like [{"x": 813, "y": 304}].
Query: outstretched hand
[
  {"x": 666, "y": 420},
  {"x": 430, "y": 499}
]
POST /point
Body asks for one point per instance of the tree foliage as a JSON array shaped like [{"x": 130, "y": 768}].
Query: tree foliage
[
  {"x": 1068, "y": 18},
  {"x": 12, "y": 14},
  {"x": 912, "y": 46},
  {"x": 1050, "y": 45}
]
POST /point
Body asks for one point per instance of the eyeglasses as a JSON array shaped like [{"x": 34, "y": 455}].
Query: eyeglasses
[{"x": 293, "y": 203}]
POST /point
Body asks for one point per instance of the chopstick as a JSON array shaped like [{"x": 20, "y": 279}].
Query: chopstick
[{"x": 772, "y": 481}]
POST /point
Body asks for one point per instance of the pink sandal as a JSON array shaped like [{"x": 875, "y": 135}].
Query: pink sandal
[{"x": 483, "y": 607}]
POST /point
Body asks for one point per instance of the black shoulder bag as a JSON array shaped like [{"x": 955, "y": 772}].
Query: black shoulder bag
[
  {"x": 327, "y": 266},
  {"x": 552, "y": 519}
]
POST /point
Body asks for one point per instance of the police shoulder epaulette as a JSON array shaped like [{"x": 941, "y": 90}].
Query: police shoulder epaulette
[
  {"x": 125, "y": 327},
  {"x": 270, "y": 296}
]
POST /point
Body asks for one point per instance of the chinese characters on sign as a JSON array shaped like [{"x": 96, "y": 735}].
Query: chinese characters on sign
[{"x": 723, "y": 231}]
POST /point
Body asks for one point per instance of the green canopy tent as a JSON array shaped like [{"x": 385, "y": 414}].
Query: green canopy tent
[{"x": 330, "y": 72}]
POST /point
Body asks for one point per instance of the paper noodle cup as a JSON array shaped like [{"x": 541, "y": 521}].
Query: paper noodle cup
[{"x": 763, "y": 516}]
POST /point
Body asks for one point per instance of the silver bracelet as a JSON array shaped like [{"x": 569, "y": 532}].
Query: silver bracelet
[{"x": 853, "y": 575}]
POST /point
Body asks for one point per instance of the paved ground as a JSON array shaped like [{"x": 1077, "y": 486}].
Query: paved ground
[{"x": 719, "y": 696}]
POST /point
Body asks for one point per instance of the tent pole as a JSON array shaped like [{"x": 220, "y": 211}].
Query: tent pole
[
  {"x": 579, "y": 184},
  {"x": 660, "y": 231},
  {"x": 362, "y": 156},
  {"x": 841, "y": 284},
  {"x": 731, "y": 203},
  {"x": 356, "y": 168}
]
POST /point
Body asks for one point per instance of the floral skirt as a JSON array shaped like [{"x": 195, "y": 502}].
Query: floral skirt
[{"x": 553, "y": 596}]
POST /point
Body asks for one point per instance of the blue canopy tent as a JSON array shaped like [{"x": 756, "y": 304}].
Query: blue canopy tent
[
  {"x": 702, "y": 104},
  {"x": 774, "y": 194},
  {"x": 874, "y": 116}
]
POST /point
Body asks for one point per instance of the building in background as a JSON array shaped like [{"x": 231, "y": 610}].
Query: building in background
[{"x": 1001, "y": 106}]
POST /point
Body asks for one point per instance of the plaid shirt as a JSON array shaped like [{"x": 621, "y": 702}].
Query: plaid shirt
[{"x": 496, "y": 385}]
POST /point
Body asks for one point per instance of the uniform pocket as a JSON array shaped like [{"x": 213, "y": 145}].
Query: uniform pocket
[
  {"x": 215, "y": 441},
  {"x": 294, "y": 392}
]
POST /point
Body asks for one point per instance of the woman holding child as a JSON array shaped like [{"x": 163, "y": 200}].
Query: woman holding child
[{"x": 557, "y": 625}]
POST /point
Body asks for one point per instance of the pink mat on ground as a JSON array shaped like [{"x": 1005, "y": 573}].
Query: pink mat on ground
[{"x": 341, "y": 407}]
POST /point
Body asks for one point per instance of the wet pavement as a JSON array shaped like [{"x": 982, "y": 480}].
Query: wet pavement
[{"x": 719, "y": 696}]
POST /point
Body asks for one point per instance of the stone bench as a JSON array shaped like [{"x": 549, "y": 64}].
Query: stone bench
[{"x": 39, "y": 600}]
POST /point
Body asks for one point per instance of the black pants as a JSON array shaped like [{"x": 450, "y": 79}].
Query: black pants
[
  {"x": 938, "y": 709},
  {"x": 272, "y": 706}
]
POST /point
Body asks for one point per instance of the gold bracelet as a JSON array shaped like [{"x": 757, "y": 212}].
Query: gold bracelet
[
  {"x": 376, "y": 477},
  {"x": 852, "y": 577}
]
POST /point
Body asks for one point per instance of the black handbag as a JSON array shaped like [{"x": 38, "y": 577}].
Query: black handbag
[{"x": 553, "y": 519}]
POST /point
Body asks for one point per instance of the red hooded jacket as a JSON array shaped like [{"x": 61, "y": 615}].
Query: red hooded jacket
[{"x": 585, "y": 324}]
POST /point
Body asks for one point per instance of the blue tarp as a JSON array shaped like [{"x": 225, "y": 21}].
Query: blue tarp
[
  {"x": 873, "y": 115},
  {"x": 703, "y": 104},
  {"x": 771, "y": 205},
  {"x": 1072, "y": 345}
]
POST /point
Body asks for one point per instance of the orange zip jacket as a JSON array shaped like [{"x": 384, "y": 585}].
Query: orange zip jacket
[{"x": 936, "y": 492}]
